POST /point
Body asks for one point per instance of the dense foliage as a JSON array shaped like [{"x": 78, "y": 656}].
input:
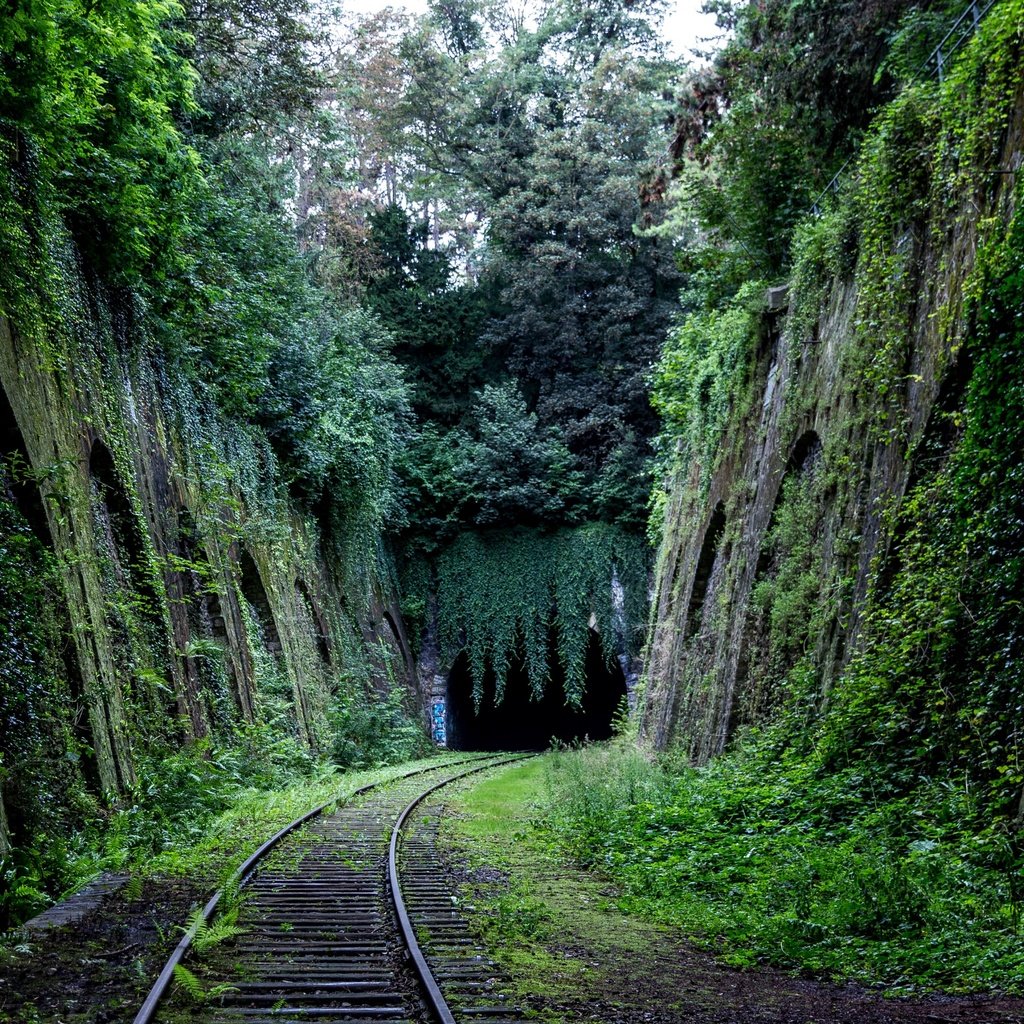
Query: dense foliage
[
  {"x": 763, "y": 127},
  {"x": 502, "y": 593},
  {"x": 148, "y": 162},
  {"x": 403, "y": 282},
  {"x": 873, "y": 826},
  {"x": 763, "y": 859},
  {"x": 501, "y": 253},
  {"x": 173, "y": 190},
  {"x": 263, "y": 217}
]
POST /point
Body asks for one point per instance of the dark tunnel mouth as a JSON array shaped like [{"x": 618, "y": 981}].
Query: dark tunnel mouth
[{"x": 521, "y": 723}]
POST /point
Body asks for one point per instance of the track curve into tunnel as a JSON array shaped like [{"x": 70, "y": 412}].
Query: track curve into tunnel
[{"x": 521, "y": 723}]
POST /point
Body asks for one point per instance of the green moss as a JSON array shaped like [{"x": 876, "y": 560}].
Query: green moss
[
  {"x": 871, "y": 817},
  {"x": 554, "y": 930}
]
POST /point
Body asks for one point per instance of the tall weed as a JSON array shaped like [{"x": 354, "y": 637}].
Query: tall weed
[{"x": 766, "y": 860}]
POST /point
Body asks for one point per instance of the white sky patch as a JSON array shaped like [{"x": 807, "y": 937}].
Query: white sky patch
[{"x": 685, "y": 30}]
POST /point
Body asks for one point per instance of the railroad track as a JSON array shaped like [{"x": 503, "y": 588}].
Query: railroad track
[{"x": 346, "y": 919}]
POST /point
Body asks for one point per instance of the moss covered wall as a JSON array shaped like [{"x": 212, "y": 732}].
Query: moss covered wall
[
  {"x": 782, "y": 533},
  {"x": 173, "y": 592}
]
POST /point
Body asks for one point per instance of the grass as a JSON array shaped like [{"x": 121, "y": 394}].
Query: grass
[
  {"x": 606, "y": 855},
  {"x": 555, "y": 930},
  {"x": 258, "y": 814},
  {"x": 210, "y": 823}
]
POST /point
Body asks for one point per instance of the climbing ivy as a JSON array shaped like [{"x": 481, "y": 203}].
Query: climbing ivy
[
  {"x": 40, "y": 753},
  {"x": 872, "y": 814},
  {"x": 502, "y": 590},
  {"x": 158, "y": 301},
  {"x": 698, "y": 389}
]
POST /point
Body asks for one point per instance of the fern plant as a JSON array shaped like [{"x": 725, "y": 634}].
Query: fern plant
[
  {"x": 207, "y": 934},
  {"x": 190, "y": 984},
  {"x": 194, "y": 988}
]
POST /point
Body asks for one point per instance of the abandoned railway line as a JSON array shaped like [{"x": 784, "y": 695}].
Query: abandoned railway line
[{"x": 343, "y": 916}]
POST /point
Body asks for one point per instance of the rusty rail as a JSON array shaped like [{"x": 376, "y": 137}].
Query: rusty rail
[
  {"x": 244, "y": 873},
  {"x": 431, "y": 988}
]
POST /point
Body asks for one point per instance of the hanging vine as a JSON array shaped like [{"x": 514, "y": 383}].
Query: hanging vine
[{"x": 497, "y": 591}]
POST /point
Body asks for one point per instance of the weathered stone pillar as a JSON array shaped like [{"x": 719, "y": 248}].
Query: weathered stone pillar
[{"x": 432, "y": 681}]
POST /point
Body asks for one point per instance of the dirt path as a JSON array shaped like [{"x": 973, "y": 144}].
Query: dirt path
[{"x": 97, "y": 970}]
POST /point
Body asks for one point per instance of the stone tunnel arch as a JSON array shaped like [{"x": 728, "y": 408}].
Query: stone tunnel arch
[
  {"x": 198, "y": 628},
  {"x": 18, "y": 482},
  {"x": 133, "y": 608},
  {"x": 705, "y": 564},
  {"x": 928, "y": 456},
  {"x": 803, "y": 460},
  {"x": 24, "y": 517},
  {"x": 255, "y": 595},
  {"x": 521, "y": 723},
  {"x": 20, "y": 487},
  {"x": 136, "y": 627},
  {"x": 803, "y": 457},
  {"x": 120, "y": 528},
  {"x": 314, "y": 615}
]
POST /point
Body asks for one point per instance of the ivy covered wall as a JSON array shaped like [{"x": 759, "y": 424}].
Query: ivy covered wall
[
  {"x": 159, "y": 585},
  {"x": 199, "y": 441},
  {"x": 823, "y": 557}
]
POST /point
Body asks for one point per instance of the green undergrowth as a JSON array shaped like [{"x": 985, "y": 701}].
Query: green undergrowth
[
  {"x": 199, "y": 812},
  {"x": 255, "y": 814},
  {"x": 767, "y": 858},
  {"x": 872, "y": 828},
  {"x": 554, "y": 929}
]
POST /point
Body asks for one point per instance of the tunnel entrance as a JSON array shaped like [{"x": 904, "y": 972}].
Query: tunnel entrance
[{"x": 521, "y": 723}]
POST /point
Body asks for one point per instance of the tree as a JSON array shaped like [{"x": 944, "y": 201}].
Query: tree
[
  {"x": 760, "y": 133},
  {"x": 548, "y": 135},
  {"x": 512, "y": 471}
]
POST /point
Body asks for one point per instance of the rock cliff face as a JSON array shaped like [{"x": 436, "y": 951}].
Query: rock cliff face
[
  {"x": 776, "y": 541},
  {"x": 159, "y": 584}
]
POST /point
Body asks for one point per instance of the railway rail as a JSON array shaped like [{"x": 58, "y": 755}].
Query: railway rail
[{"x": 346, "y": 919}]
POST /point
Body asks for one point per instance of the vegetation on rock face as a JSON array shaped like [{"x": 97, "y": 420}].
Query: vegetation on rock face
[
  {"x": 761, "y": 130},
  {"x": 869, "y": 804},
  {"x": 500, "y": 592},
  {"x": 224, "y": 258},
  {"x": 155, "y": 291},
  {"x": 292, "y": 311}
]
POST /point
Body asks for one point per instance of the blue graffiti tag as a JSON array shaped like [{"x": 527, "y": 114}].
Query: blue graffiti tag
[{"x": 439, "y": 729}]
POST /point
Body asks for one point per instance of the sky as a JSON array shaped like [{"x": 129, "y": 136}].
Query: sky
[{"x": 685, "y": 26}]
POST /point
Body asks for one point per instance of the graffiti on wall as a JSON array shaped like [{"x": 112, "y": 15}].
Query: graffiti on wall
[{"x": 437, "y": 721}]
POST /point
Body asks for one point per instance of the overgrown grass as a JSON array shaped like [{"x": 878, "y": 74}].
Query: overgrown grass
[
  {"x": 199, "y": 812},
  {"x": 553, "y": 929},
  {"x": 765, "y": 860},
  {"x": 191, "y": 808},
  {"x": 255, "y": 814}
]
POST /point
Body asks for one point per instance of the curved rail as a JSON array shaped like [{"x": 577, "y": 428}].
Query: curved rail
[
  {"x": 244, "y": 872},
  {"x": 431, "y": 989}
]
